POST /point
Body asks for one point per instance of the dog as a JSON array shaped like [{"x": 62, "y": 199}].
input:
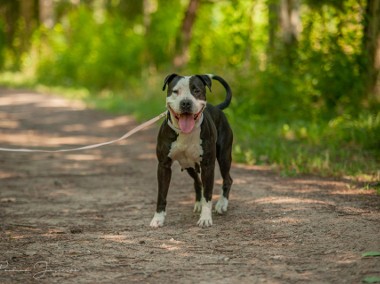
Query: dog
[{"x": 194, "y": 133}]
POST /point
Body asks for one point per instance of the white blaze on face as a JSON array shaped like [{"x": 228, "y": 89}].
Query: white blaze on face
[{"x": 181, "y": 91}]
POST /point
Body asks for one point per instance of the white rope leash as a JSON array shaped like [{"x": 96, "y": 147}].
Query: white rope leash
[{"x": 125, "y": 136}]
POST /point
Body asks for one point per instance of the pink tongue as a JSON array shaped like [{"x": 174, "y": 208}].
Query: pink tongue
[{"x": 186, "y": 123}]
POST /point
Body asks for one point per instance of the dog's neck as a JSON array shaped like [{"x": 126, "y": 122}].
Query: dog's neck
[{"x": 176, "y": 129}]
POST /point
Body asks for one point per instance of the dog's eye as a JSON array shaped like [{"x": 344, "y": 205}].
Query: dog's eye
[
  {"x": 175, "y": 92},
  {"x": 196, "y": 91}
]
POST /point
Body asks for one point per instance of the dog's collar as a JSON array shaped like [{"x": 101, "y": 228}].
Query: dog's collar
[{"x": 176, "y": 129}]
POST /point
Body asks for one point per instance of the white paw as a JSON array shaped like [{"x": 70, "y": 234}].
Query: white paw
[
  {"x": 158, "y": 219},
  {"x": 197, "y": 207},
  {"x": 205, "y": 220},
  {"x": 221, "y": 205}
]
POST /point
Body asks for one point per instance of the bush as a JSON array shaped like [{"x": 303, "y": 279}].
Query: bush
[{"x": 81, "y": 51}]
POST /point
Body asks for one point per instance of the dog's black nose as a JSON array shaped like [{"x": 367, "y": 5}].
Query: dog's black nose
[{"x": 185, "y": 105}]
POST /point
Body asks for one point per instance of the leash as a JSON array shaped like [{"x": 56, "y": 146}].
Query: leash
[{"x": 125, "y": 136}]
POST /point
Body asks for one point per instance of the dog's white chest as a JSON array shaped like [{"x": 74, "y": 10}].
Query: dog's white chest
[{"x": 187, "y": 149}]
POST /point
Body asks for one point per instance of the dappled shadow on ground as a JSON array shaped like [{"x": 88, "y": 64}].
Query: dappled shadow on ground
[{"x": 84, "y": 216}]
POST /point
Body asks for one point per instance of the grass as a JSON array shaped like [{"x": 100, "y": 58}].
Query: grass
[
  {"x": 343, "y": 147},
  {"x": 304, "y": 150}
]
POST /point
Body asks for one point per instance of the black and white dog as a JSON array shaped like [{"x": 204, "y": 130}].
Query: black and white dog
[{"x": 195, "y": 134}]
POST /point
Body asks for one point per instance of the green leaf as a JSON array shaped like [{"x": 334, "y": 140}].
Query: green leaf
[
  {"x": 371, "y": 279},
  {"x": 371, "y": 253}
]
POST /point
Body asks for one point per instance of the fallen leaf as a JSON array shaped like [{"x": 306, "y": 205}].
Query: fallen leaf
[
  {"x": 371, "y": 279},
  {"x": 371, "y": 253}
]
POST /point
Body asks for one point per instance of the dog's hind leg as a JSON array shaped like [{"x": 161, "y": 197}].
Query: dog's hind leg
[
  {"x": 197, "y": 187},
  {"x": 224, "y": 158}
]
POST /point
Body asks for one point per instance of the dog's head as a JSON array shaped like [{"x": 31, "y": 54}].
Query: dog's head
[{"x": 186, "y": 99}]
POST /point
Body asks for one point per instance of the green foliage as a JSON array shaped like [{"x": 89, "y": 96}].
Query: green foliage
[
  {"x": 329, "y": 55},
  {"x": 159, "y": 42},
  {"x": 86, "y": 51}
]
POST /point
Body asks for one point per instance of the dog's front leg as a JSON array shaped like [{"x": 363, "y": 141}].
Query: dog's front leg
[
  {"x": 207, "y": 174},
  {"x": 164, "y": 173}
]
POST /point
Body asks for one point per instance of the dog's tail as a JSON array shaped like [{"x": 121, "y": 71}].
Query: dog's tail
[{"x": 227, "y": 101}]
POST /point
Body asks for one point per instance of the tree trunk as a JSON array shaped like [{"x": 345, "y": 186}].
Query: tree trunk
[
  {"x": 290, "y": 24},
  {"x": 248, "y": 50},
  {"x": 9, "y": 13},
  {"x": 284, "y": 26},
  {"x": 27, "y": 24},
  {"x": 184, "y": 38},
  {"x": 46, "y": 13},
  {"x": 290, "y": 21},
  {"x": 273, "y": 24},
  {"x": 371, "y": 48}
]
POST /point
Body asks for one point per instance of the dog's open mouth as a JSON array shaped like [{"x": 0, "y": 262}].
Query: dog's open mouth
[{"x": 186, "y": 121}]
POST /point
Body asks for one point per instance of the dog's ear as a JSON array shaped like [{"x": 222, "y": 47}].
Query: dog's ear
[
  {"x": 168, "y": 79},
  {"x": 206, "y": 80}
]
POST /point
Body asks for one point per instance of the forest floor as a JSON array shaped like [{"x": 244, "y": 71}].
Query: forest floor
[{"x": 83, "y": 217}]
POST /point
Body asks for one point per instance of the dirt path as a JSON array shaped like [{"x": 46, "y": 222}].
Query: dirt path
[{"x": 83, "y": 217}]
